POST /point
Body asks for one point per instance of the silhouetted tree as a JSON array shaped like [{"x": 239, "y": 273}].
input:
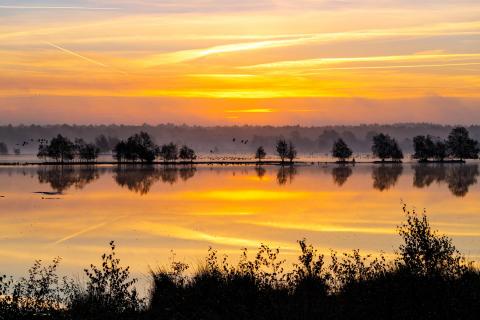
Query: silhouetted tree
[
  {"x": 137, "y": 147},
  {"x": 386, "y": 147},
  {"x": 460, "y": 145},
  {"x": 424, "y": 252},
  {"x": 395, "y": 152},
  {"x": 282, "y": 149},
  {"x": 291, "y": 152},
  {"x": 120, "y": 151},
  {"x": 424, "y": 148},
  {"x": 260, "y": 154},
  {"x": 187, "y": 153},
  {"x": 169, "y": 152},
  {"x": 42, "y": 152},
  {"x": 86, "y": 151},
  {"x": 341, "y": 151},
  {"x": 60, "y": 149},
  {"x": 3, "y": 148},
  {"x": 440, "y": 150}
]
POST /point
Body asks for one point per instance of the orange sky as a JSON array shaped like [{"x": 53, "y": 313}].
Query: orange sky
[{"x": 259, "y": 62}]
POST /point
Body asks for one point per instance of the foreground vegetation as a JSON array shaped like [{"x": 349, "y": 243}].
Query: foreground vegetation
[{"x": 427, "y": 279}]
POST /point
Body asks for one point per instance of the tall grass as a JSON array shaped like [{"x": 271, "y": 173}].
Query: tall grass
[{"x": 428, "y": 279}]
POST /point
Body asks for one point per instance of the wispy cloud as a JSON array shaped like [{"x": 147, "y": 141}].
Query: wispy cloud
[{"x": 309, "y": 63}]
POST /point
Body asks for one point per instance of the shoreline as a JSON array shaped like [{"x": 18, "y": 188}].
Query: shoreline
[{"x": 225, "y": 163}]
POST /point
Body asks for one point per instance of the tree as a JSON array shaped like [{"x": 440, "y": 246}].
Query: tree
[
  {"x": 61, "y": 149},
  {"x": 140, "y": 146},
  {"x": 291, "y": 152},
  {"x": 440, "y": 150},
  {"x": 145, "y": 148},
  {"x": 424, "y": 148},
  {"x": 282, "y": 149},
  {"x": 3, "y": 148},
  {"x": 169, "y": 152},
  {"x": 381, "y": 146},
  {"x": 341, "y": 151},
  {"x": 395, "y": 152},
  {"x": 187, "y": 153},
  {"x": 42, "y": 152},
  {"x": 260, "y": 154},
  {"x": 88, "y": 152},
  {"x": 120, "y": 151},
  {"x": 386, "y": 147},
  {"x": 460, "y": 145}
]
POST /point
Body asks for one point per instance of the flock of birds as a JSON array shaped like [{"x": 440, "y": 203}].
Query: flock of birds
[
  {"x": 234, "y": 140},
  {"x": 31, "y": 140}
]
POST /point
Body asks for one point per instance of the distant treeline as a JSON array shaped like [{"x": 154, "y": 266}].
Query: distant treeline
[
  {"x": 241, "y": 139},
  {"x": 141, "y": 147},
  {"x": 428, "y": 278}
]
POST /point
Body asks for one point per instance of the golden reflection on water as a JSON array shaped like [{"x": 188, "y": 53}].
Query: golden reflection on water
[{"x": 150, "y": 211}]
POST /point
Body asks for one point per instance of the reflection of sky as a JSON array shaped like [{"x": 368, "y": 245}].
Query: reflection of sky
[
  {"x": 227, "y": 208},
  {"x": 232, "y": 61}
]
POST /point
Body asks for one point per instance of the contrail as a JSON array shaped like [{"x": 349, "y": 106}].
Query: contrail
[
  {"x": 91, "y": 228},
  {"x": 56, "y": 8},
  {"x": 76, "y": 234},
  {"x": 98, "y": 63}
]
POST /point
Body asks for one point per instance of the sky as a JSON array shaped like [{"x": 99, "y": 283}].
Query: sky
[{"x": 213, "y": 62}]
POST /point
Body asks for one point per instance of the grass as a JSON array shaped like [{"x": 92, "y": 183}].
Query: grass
[{"x": 428, "y": 279}]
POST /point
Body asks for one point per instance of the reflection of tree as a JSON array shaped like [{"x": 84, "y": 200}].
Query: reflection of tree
[
  {"x": 286, "y": 174},
  {"x": 137, "y": 179},
  {"x": 425, "y": 175},
  {"x": 459, "y": 177},
  {"x": 62, "y": 178},
  {"x": 386, "y": 176},
  {"x": 260, "y": 172},
  {"x": 140, "y": 179},
  {"x": 341, "y": 174},
  {"x": 187, "y": 172},
  {"x": 169, "y": 174}
]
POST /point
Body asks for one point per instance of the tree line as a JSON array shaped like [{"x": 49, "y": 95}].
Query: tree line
[
  {"x": 457, "y": 146},
  {"x": 140, "y": 147}
]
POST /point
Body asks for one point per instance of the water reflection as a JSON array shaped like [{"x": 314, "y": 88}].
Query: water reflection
[
  {"x": 140, "y": 179},
  {"x": 286, "y": 174},
  {"x": 458, "y": 178},
  {"x": 260, "y": 171},
  {"x": 62, "y": 178},
  {"x": 341, "y": 174},
  {"x": 386, "y": 176}
]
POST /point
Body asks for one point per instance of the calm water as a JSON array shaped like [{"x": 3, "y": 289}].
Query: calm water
[{"x": 150, "y": 211}]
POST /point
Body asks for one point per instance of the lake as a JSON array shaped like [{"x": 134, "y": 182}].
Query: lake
[{"x": 74, "y": 211}]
